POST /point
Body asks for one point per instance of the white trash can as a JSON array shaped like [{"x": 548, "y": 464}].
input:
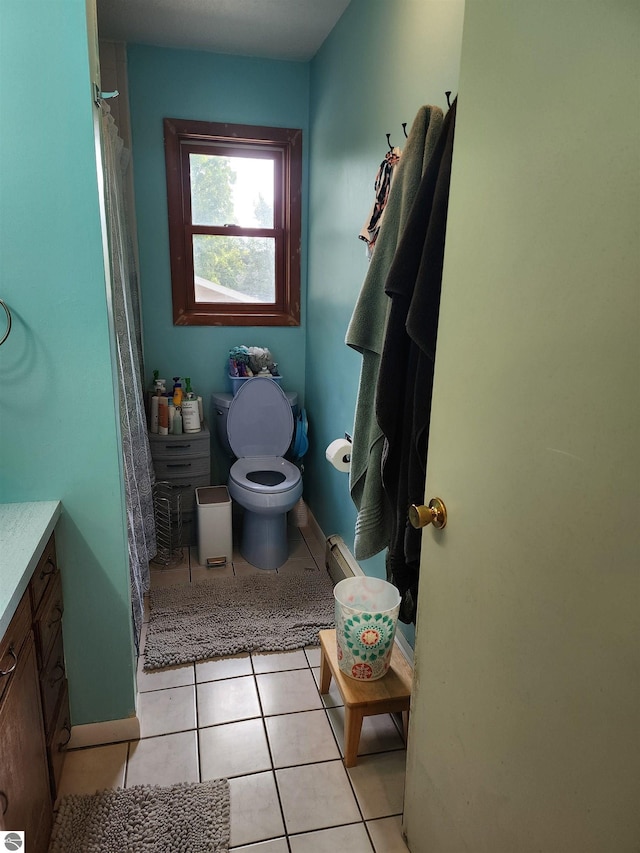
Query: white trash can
[
  {"x": 366, "y": 618},
  {"x": 215, "y": 537}
]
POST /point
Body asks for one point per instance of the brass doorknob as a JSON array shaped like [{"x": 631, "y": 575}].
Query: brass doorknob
[{"x": 435, "y": 513}]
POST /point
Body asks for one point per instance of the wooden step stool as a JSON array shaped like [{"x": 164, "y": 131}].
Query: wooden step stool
[{"x": 387, "y": 695}]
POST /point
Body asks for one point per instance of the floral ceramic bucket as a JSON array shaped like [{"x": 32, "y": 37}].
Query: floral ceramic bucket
[{"x": 366, "y": 616}]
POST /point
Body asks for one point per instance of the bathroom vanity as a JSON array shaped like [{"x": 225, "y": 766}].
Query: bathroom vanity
[{"x": 34, "y": 706}]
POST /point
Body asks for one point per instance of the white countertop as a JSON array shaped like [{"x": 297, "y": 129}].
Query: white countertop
[{"x": 25, "y": 529}]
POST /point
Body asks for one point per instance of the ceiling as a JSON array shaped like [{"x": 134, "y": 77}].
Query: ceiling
[{"x": 274, "y": 29}]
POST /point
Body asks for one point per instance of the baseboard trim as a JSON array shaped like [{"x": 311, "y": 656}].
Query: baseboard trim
[{"x": 109, "y": 731}]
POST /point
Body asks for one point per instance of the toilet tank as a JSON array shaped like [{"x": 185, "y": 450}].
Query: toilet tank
[{"x": 220, "y": 402}]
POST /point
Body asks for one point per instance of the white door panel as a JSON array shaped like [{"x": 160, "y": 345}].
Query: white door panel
[{"x": 524, "y": 729}]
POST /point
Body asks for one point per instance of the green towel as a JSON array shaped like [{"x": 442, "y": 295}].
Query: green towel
[{"x": 366, "y": 333}]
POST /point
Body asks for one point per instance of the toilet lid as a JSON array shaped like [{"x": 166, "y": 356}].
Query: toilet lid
[{"x": 260, "y": 421}]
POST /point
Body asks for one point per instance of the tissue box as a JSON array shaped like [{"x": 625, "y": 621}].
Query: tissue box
[{"x": 236, "y": 381}]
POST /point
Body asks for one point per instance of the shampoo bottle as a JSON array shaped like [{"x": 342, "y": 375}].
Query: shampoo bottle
[
  {"x": 190, "y": 410},
  {"x": 163, "y": 415}
]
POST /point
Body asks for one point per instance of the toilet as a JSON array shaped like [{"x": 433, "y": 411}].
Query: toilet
[{"x": 259, "y": 428}]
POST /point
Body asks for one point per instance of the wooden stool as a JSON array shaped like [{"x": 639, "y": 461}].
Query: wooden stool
[{"x": 387, "y": 695}]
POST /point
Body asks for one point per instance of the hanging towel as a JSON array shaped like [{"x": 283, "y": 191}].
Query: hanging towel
[
  {"x": 382, "y": 186},
  {"x": 366, "y": 334},
  {"x": 405, "y": 379}
]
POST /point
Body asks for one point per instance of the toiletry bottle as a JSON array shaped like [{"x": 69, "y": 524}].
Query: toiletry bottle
[
  {"x": 172, "y": 411},
  {"x": 163, "y": 415},
  {"x": 176, "y": 426},
  {"x": 177, "y": 391},
  {"x": 190, "y": 409},
  {"x": 150, "y": 392},
  {"x": 153, "y": 414}
]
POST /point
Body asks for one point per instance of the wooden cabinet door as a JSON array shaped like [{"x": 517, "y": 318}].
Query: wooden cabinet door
[{"x": 24, "y": 779}]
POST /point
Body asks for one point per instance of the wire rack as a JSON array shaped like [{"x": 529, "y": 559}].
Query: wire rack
[{"x": 167, "y": 507}]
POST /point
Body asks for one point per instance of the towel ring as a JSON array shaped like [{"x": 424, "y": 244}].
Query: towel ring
[{"x": 8, "y": 313}]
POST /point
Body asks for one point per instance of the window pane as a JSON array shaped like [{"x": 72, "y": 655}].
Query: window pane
[
  {"x": 234, "y": 269},
  {"x": 231, "y": 191}
]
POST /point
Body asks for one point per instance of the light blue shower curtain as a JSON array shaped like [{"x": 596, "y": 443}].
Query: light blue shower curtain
[{"x": 137, "y": 462}]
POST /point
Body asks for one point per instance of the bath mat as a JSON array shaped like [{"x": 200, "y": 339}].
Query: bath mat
[
  {"x": 191, "y": 817},
  {"x": 228, "y": 615}
]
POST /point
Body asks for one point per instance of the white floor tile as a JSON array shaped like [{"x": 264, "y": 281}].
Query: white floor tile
[
  {"x": 316, "y": 796},
  {"x": 332, "y": 699},
  {"x": 202, "y": 573},
  {"x": 164, "y": 760},
  {"x": 233, "y": 749},
  {"x": 303, "y": 738},
  {"x": 227, "y": 701},
  {"x": 164, "y": 711},
  {"x": 276, "y": 845},
  {"x": 298, "y": 566},
  {"x": 89, "y": 770},
  {"x": 220, "y": 668},
  {"x": 378, "y": 781},
  {"x": 279, "y": 661},
  {"x": 241, "y": 567},
  {"x": 255, "y": 811},
  {"x": 169, "y": 577},
  {"x": 386, "y": 835},
  {"x": 298, "y": 550},
  {"x": 352, "y": 838},
  {"x": 284, "y": 692},
  {"x": 313, "y": 655},
  {"x": 379, "y": 732},
  {"x": 160, "y": 679}
]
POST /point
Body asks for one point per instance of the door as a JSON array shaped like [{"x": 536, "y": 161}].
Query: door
[{"x": 524, "y": 726}]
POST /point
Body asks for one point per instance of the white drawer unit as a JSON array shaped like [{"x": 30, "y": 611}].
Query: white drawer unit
[{"x": 184, "y": 461}]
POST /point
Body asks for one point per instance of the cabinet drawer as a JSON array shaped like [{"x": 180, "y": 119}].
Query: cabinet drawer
[
  {"x": 12, "y": 641},
  {"x": 175, "y": 446},
  {"x": 24, "y": 777},
  {"x": 52, "y": 683},
  {"x": 186, "y": 486},
  {"x": 57, "y": 743},
  {"x": 48, "y": 619},
  {"x": 168, "y": 469},
  {"x": 47, "y": 567}
]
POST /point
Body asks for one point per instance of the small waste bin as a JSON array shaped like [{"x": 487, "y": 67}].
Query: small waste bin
[
  {"x": 366, "y": 617},
  {"x": 215, "y": 540}
]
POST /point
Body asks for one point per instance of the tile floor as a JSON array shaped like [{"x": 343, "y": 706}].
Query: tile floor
[{"x": 260, "y": 721}]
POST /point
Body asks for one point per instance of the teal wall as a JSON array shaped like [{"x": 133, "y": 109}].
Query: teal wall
[
  {"x": 207, "y": 87},
  {"x": 59, "y": 437},
  {"x": 382, "y": 62}
]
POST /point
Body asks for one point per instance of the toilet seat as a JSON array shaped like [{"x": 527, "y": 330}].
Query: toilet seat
[
  {"x": 259, "y": 427},
  {"x": 242, "y": 470},
  {"x": 260, "y": 421}
]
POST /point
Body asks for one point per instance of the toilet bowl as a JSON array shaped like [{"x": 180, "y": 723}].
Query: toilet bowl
[{"x": 259, "y": 429}]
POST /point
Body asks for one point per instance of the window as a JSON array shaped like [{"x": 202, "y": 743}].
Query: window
[{"x": 234, "y": 223}]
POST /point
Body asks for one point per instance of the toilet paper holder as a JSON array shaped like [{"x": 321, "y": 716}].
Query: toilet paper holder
[{"x": 338, "y": 453}]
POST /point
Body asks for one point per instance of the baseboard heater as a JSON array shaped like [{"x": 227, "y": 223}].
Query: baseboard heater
[{"x": 341, "y": 564}]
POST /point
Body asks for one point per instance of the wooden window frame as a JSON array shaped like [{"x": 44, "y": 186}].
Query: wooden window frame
[{"x": 284, "y": 146}]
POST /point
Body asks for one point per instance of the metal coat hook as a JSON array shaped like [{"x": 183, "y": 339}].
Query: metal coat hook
[
  {"x": 8, "y": 313},
  {"x": 404, "y": 129},
  {"x": 448, "y": 94}
]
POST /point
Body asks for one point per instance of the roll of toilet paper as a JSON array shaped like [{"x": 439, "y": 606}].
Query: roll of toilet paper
[{"x": 339, "y": 454}]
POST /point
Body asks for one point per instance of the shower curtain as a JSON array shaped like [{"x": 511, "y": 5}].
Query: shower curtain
[{"x": 136, "y": 455}]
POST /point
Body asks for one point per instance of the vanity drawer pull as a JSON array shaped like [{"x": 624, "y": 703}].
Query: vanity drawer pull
[
  {"x": 178, "y": 464},
  {"x": 52, "y": 567},
  {"x": 13, "y": 666}
]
